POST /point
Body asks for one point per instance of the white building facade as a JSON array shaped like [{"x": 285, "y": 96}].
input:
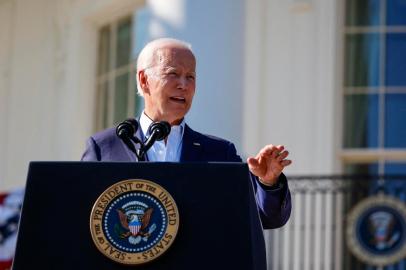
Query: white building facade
[{"x": 267, "y": 72}]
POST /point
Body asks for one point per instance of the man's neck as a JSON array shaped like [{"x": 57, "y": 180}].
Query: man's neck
[
  {"x": 146, "y": 121},
  {"x": 176, "y": 122}
]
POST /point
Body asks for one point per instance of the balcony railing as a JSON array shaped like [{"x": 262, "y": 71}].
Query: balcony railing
[{"x": 315, "y": 236}]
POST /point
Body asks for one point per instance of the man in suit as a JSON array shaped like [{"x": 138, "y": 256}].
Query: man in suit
[{"x": 166, "y": 78}]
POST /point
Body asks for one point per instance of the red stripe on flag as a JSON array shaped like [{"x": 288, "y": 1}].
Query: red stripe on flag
[
  {"x": 2, "y": 196},
  {"x": 5, "y": 265}
]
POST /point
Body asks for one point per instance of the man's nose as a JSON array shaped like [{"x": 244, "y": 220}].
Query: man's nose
[{"x": 182, "y": 82}]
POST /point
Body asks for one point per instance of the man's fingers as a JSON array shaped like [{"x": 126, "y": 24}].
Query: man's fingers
[
  {"x": 274, "y": 153},
  {"x": 286, "y": 162},
  {"x": 269, "y": 161},
  {"x": 282, "y": 155},
  {"x": 252, "y": 162},
  {"x": 254, "y": 166},
  {"x": 271, "y": 150},
  {"x": 268, "y": 148}
]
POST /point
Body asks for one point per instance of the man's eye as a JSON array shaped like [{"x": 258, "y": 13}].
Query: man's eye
[
  {"x": 191, "y": 77},
  {"x": 172, "y": 74}
]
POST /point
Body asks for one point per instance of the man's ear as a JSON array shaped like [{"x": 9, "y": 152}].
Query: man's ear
[{"x": 143, "y": 80}]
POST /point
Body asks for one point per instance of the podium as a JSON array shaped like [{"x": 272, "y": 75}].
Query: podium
[{"x": 218, "y": 219}]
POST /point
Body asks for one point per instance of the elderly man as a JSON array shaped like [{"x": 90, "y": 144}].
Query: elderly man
[{"x": 166, "y": 78}]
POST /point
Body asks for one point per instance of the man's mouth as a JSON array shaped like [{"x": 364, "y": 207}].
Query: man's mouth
[{"x": 178, "y": 99}]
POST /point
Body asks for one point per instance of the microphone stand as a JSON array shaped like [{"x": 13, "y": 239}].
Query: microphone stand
[
  {"x": 138, "y": 152},
  {"x": 158, "y": 131}
]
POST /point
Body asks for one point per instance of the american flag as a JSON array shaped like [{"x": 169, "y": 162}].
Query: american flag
[{"x": 10, "y": 206}]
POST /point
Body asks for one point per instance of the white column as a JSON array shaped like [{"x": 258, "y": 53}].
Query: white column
[
  {"x": 291, "y": 75},
  {"x": 7, "y": 10}
]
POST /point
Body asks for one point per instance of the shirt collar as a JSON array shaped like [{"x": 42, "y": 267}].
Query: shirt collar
[{"x": 145, "y": 122}]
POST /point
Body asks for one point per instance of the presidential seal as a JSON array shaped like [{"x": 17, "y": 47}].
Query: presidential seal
[
  {"x": 134, "y": 221},
  {"x": 376, "y": 230}
]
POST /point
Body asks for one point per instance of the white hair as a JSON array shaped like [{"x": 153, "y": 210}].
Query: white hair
[{"x": 146, "y": 58}]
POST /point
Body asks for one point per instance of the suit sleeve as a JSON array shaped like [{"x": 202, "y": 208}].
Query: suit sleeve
[
  {"x": 92, "y": 152},
  {"x": 273, "y": 203}
]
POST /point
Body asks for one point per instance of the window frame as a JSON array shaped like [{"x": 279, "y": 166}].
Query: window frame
[
  {"x": 112, "y": 74},
  {"x": 380, "y": 154}
]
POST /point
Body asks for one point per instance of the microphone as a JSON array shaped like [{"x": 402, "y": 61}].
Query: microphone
[
  {"x": 159, "y": 131},
  {"x": 127, "y": 128},
  {"x": 125, "y": 131}
]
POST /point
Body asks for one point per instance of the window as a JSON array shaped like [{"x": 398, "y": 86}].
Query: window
[
  {"x": 116, "y": 86},
  {"x": 374, "y": 112}
]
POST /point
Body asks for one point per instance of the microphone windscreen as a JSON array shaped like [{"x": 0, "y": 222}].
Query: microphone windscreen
[
  {"x": 127, "y": 128},
  {"x": 161, "y": 129}
]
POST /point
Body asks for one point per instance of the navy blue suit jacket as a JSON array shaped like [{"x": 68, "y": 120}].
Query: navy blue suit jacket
[{"x": 273, "y": 204}]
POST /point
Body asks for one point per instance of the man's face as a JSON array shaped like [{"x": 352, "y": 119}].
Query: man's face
[{"x": 170, "y": 86}]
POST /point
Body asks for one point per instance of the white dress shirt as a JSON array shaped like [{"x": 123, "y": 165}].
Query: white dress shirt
[{"x": 161, "y": 151}]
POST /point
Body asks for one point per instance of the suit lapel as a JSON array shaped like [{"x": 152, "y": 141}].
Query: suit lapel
[{"x": 191, "y": 146}]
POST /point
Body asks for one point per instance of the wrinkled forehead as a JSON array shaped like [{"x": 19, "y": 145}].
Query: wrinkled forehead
[{"x": 176, "y": 57}]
